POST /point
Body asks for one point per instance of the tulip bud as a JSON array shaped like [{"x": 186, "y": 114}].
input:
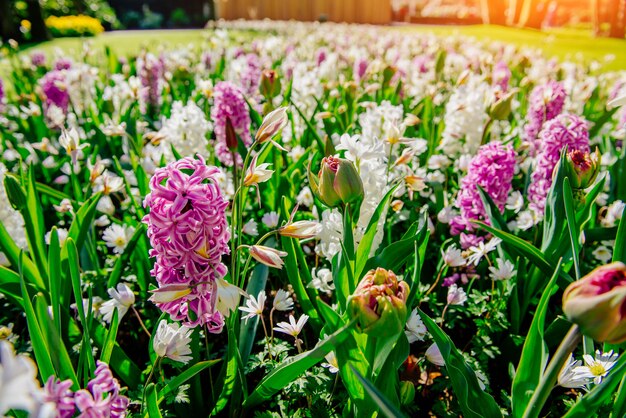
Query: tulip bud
[
  {"x": 257, "y": 173},
  {"x": 501, "y": 108},
  {"x": 582, "y": 168},
  {"x": 268, "y": 256},
  {"x": 300, "y": 229},
  {"x": 440, "y": 62},
  {"x": 379, "y": 303},
  {"x": 273, "y": 123},
  {"x": 270, "y": 84},
  {"x": 597, "y": 303},
  {"x": 169, "y": 293},
  {"x": 388, "y": 74},
  {"x": 231, "y": 136},
  {"x": 337, "y": 182}
]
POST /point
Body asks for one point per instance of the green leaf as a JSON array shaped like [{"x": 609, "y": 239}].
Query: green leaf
[
  {"x": 120, "y": 363},
  {"x": 491, "y": 209},
  {"x": 528, "y": 251},
  {"x": 53, "y": 193},
  {"x": 587, "y": 405},
  {"x": 109, "y": 342},
  {"x": 619, "y": 251},
  {"x": 290, "y": 369},
  {"x": 474, "y": 402},
  {"x": 83, "y": 221},
  {"x": 365, "y": 245},
  {"x": 151, "y": 401},
  {"x": 59, "y": 355},
  {"x": 232, "y": 369},
  {"x": 247, "y": 329},
  {"x": 387, "y": 408},
  {"x": 181, "y": 378},
  {"x": 55, "y": 278},
  {"x": 619, "y": 406},
  {"x": 72, "y": 258},
  {"x": 12, "y": 253},
  {"x": 118, "y": 267},
  {"x": 574, "y": 231},
  {"x": 393, "y": 256},
  {"x": 44, "y": 362},
  {"x": 534, "y": 354},
  {"x": 293, "y": 274}
]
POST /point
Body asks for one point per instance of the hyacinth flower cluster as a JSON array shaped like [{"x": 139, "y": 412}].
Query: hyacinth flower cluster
[
  {"x": 54, "y": 89},
  {"x": 564, "y": 131},
  {"x": 1, "y": 95},
  {"x": 492, "y": 169},
  {"x": 501, "y": 76},
  {"x": 546, "y": 102},
  {"x": 189, "y": 233},
  {"x": 101, "y": 398},
  {"x": 229, "y": 113},
  {"x": 151, "y": 71}
]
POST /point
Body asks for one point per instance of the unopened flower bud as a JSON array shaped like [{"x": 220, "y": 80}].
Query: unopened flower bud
[
  {"x": 272, "y": 124},
  {"x": 300, "y": 229},
  {"x": 379, "y": 303},
  {"x": 231, "y": 136},
  {"x": 582, "y": 168},
  {"x": 268, "y": 256},
  {"x": 337, "y": 182},
  {"x": 169, "y": 293},
  {"x": 597, "y": 303},
  {"x": 501, "y": 108},
  {"x": 270, "y": 84}
]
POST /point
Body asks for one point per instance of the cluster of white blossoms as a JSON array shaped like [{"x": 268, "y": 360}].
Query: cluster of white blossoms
[
  {"x": 185, "y": 130},
  {"x": 465, "y": 117}
]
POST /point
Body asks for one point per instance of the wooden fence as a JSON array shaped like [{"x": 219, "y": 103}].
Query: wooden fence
[{"x": 351, "y": 11}]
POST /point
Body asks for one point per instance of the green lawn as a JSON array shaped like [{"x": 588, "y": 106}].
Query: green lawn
[{"x": 562, "y": 43}]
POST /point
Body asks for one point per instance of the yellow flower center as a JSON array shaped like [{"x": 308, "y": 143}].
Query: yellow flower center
[
  {"x": 120, "y": 242},
  {"x": 597, "y": 369}
]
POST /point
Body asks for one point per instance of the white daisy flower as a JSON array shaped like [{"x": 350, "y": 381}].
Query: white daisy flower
[
  {"x": 597, "y": 368},
  {"x": 172, "y": 341},
  {"x": 282, "y": 301},
  {"x": 505, "y": 270},
  {"x": 254, "y": 306},
  {"x": 122, "y": 299},
  {"x": 415, "y": 328},
  {"x": 117, "y": 237}
]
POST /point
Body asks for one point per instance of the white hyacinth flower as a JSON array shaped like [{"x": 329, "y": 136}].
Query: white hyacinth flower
[{"x": 19, "y": 388}]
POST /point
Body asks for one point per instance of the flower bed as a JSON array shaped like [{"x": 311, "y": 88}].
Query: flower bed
[{"x": 305, "y": 220}]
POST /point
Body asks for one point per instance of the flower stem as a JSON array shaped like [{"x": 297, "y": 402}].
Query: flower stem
[
  {"x": 432, "y": 287},
  {"x": 549, "y": 378},
  {"x": 143, "y": 326},
  {"x": 154, "y": 366}
]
